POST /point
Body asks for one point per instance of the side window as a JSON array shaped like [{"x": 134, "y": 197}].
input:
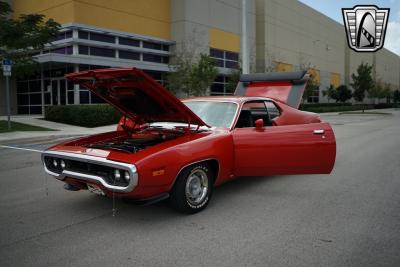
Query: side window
[
  {"x": 252, "y": 111},
  {"x": 273, "y": 111}
]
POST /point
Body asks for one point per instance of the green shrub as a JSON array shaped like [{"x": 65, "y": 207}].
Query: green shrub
[
  {"x": 83, "y": 115},
  {"x": 321, "y": 108},
  {"x": 325, "y": 105},
  {"x": 384, "y": 105}
]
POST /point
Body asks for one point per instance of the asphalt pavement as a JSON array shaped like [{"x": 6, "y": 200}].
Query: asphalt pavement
[{"x": 348, "y": 218}]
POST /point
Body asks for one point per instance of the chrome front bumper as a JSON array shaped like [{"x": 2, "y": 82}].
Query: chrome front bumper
[{"x": 131, "y": 168}]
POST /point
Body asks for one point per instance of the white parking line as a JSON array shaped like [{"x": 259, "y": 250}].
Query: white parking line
[{"x": 21, "y": 148}]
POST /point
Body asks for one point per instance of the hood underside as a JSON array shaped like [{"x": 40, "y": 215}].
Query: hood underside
[{"x": 136, "y": 95}]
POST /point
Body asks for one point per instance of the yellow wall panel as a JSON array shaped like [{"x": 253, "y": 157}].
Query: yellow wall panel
[
  {"x": 280, "y": 66},
  {"x": 335, "y": 79},
  {"x": 149, "y": 17},
  {"x": 223, "y": 40},
  {"x": 61, "y": 11},
  {"x": 315, "y": 75}
]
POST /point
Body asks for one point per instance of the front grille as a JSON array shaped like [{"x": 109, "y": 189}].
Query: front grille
[{"x": 107, "y": 173}]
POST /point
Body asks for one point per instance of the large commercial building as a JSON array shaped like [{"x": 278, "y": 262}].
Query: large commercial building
[{"x": 282, "y": 35}]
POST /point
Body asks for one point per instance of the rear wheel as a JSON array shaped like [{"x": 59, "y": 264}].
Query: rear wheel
[{"x": 193, "y": 188}]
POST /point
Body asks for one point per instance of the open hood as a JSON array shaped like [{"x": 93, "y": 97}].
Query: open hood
[
  {"x": 136, "y": 95},
  {"x": 286, "y": 87}
]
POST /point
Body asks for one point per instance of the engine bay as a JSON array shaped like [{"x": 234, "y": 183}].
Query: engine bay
[{"x": 136, "y": 141}]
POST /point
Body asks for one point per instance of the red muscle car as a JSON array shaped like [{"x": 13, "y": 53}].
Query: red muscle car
[{"x": 167, "y": 148}]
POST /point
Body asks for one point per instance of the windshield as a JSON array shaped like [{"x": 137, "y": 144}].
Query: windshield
[{"x": 217, "y": 114}]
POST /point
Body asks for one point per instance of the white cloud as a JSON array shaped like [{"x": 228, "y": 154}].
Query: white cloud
[{"x": 392, "y": 39}]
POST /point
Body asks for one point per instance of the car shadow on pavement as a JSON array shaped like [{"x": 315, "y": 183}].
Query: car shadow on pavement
[{"x": 121, "y": 211}]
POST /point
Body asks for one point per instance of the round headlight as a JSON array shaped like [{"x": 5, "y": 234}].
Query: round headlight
[
  {"x": 62, "y": 164},
  {"x": 55, "y": 163},
  {"x": 127, "y": 176},
  {"x": 117, "y": 174}
]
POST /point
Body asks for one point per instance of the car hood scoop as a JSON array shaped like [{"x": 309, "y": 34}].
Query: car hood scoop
[{"x": 136, "y": 95}]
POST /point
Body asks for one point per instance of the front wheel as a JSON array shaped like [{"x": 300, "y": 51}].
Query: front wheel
[{"x": 193, "y": 188}]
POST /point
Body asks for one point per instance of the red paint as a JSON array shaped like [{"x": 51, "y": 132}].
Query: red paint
[
  {"x": 290, "y": 146},
  {"x": 278, "y": 90}
]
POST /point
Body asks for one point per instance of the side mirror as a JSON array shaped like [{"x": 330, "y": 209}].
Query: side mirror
[{"x": 259, "y": 125}]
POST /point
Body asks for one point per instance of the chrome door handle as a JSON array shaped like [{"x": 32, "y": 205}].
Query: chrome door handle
[{"x": 320, "y": 131}]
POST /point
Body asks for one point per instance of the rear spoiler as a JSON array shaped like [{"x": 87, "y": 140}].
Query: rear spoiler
[
  {"x": 297, "y": 81},
  {"x": 295, "y": 76}
]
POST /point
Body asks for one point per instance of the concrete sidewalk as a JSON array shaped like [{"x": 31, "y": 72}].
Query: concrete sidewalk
[{"x": 60, "y": 129}]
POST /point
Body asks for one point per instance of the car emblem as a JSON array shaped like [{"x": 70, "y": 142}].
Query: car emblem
[{"x": 365, "y": 27}]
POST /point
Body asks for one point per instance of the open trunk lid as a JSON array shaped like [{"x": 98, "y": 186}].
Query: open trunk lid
[
  {"x": 136, "y": 95},
  {"x": 286, "y": 87}
]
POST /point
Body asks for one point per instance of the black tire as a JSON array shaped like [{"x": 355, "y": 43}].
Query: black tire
[{"x": 186, "y": 186}]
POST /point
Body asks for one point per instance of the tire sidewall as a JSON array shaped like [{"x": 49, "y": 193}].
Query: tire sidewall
[
  {"x": 179, "y": 199},
  {"x": 204, "y": 203}
]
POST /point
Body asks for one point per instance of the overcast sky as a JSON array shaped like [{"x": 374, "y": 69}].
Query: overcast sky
[{"x": 333, "y": 9}]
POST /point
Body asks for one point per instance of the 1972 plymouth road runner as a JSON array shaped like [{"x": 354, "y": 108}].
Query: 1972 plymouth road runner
[{"x": 167, "y": 148}]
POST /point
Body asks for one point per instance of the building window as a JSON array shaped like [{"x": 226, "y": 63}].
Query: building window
[
  {"x": 102, "y": 52},
  {"x": 94, "y": 36},
  {"x": 83, "y": 35},
  {"x": 101, "y": 37},
  {"x": 225, "y": 59},
  {"x": 83, "y": 50},
  {"x": 129, "y": 55},
  {"x": 221, "y": 86},
  {"x": 62, "y": 36},
  {"x": 314, "y": 96},
  {"x": 129, "y": 41},
  {"x": 86, "y": 97},
  {"x": 96, "y": 51},
  {"x": 157, "y": 75},
  {"x": 151, "y": 45},
  {"x": 60, "y": 50},
  {"x": 56, "y": 90},
  {"x": 155, "y": 58}
]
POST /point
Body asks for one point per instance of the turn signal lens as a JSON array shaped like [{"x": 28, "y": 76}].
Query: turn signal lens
[
  {"x": 55, "y": 163},
  {"x": 62, "y": 164}
]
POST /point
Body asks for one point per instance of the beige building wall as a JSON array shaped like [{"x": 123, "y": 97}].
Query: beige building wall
[
  {"x": 198, "y": 25},
  {"x": 292, "y": 33},
  {"x": 388, "y": 68}
]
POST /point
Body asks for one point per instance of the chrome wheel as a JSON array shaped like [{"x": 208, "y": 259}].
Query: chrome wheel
[{"x": 196, "y": 188}]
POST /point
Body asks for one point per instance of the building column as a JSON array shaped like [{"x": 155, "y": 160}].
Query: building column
[
  {"x": 76, "y": 87},
  {"x": 346, "y": 65}
]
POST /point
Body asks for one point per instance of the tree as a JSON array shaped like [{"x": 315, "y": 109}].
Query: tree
[
  {"x": 387, "y": 92},
  {"x": 233, "y": 79},
  {"x": 312, "y": 84},
  {"x": 203, "y": 75},
  {"x": 376, "y": 90},
  {"x": 343, "y": 93},
  {"x": 190, "y": 76},
  {"x": 330, "y": 93},
  {"x": 21, "y": 37},
  {"x": 362, "y": 82}
]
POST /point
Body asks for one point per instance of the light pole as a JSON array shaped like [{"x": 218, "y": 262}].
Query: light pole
[
  {"x": 7, "y": 73},
  {"x": 245, "y": 52}
]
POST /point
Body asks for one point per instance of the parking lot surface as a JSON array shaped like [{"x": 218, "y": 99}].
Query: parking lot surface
[{"x": 348, "y": 218}]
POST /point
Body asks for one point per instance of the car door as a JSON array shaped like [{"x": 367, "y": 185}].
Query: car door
[{"x": 289, "y": 149}]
